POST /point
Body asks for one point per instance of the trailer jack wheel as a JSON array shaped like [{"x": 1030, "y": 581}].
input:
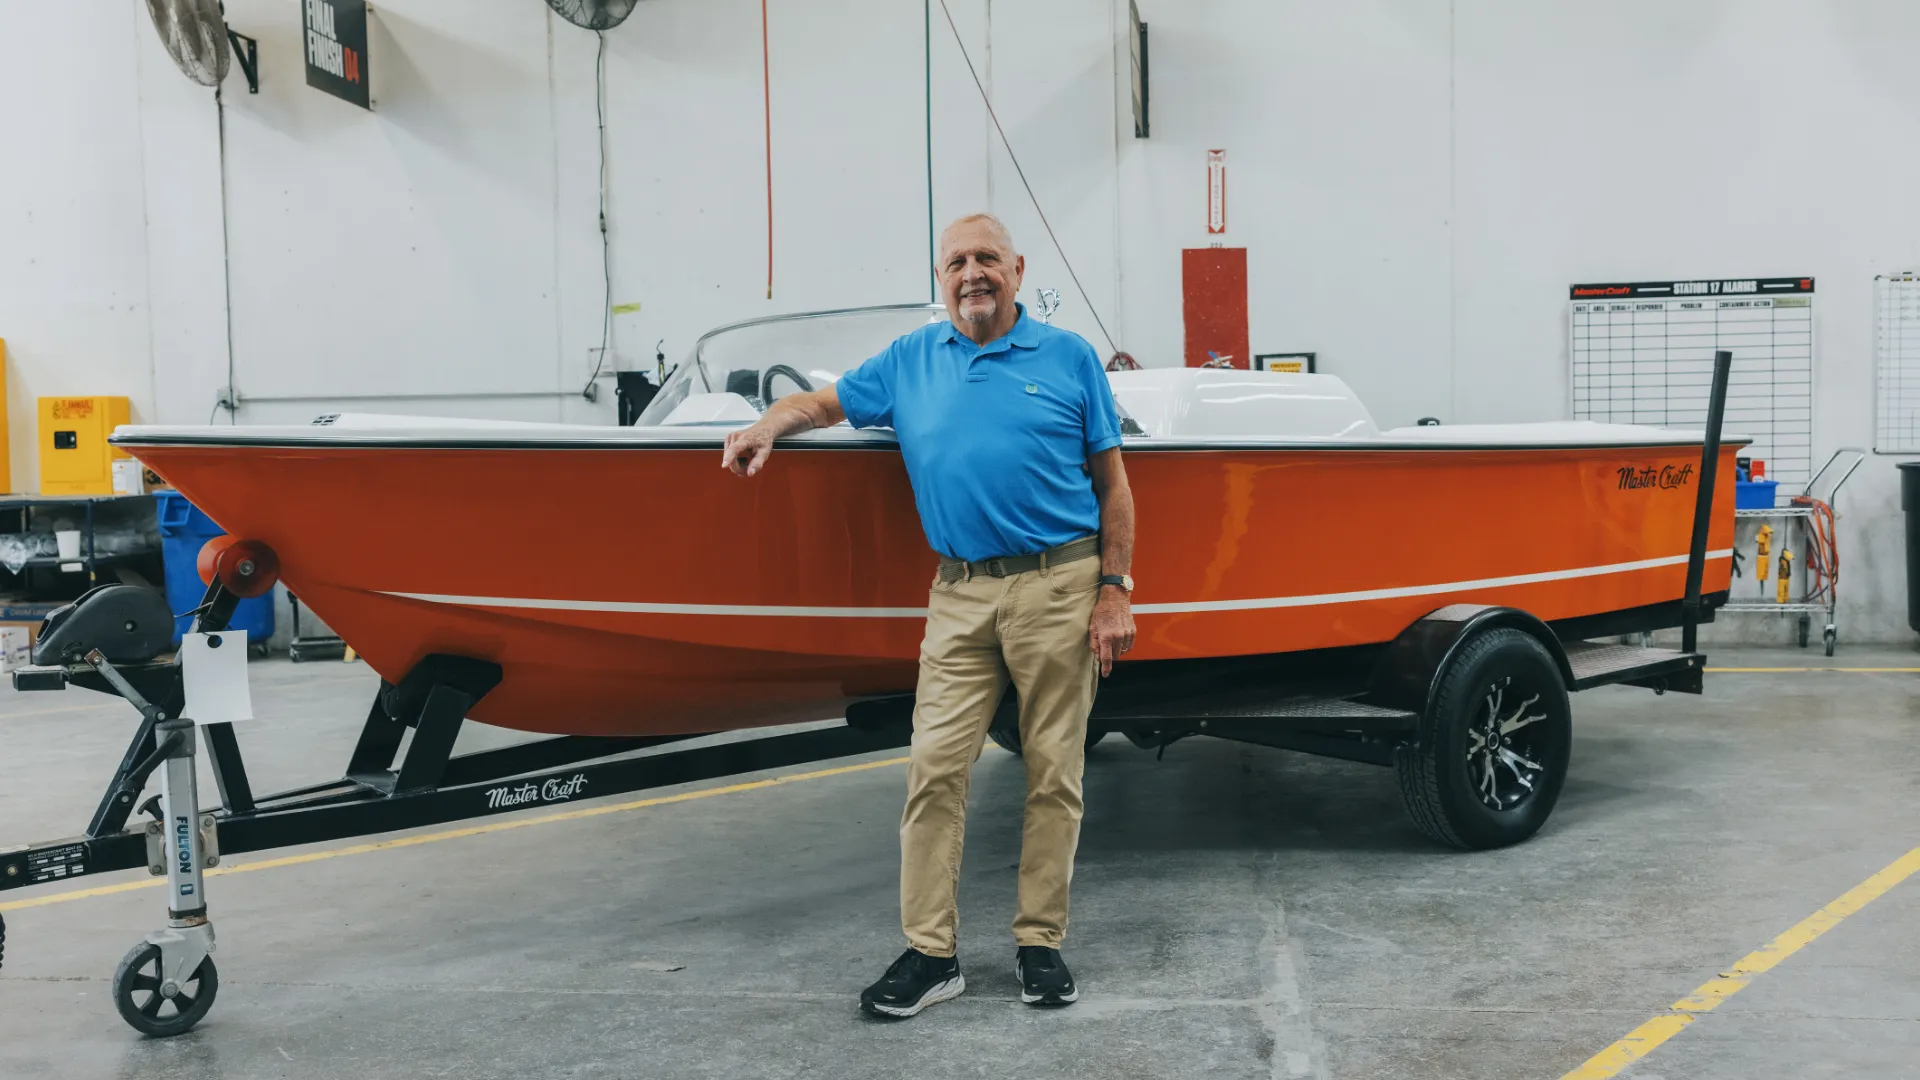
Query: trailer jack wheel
[
  {"x": 155, "y": 1006},
  {"x": 1493, "y": 745}
]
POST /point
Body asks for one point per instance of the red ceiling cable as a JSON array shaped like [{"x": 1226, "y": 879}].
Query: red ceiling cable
[{"x": 766, "y": 93}]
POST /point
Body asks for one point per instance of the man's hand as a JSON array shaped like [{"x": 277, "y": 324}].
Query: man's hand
[
  {"x": 747, "y": 450},
  {"x": 1110, "y": 635}
]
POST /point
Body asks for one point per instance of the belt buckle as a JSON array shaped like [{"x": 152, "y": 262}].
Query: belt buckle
[{"x": 997, "y": 567}]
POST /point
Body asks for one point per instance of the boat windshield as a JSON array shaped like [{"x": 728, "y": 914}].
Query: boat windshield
[{"x": 735, "y": 372}]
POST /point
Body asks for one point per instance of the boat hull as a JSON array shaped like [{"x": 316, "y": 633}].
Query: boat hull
[{"x": 641, "y": 590}]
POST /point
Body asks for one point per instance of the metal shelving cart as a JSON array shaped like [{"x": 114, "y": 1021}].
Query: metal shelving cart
[
  {"x": 1796, "y": 528},
  {"x": 17, "y": 515}
]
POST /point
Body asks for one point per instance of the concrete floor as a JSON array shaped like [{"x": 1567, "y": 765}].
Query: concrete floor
[{"x": 1239, "y": 912}]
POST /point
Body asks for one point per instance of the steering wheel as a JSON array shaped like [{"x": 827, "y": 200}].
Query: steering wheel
[{"x": 767, "y": 377}]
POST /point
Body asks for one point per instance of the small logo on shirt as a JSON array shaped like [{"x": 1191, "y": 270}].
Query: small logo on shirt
[{"x": 1033, "y": 388}]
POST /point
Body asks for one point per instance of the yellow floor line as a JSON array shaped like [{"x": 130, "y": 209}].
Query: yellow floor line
[
  {"x": 1777, "y": 670},
  {"x": 1706, "y": 997},
  {"x": 455, "y": 834},
  {"x": 31, "y": 714}
]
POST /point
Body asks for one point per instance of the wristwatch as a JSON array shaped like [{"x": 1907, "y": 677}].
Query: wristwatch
[{"x": 1124, "y": 581}]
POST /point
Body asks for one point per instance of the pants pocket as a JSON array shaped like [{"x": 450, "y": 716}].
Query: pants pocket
[{"x": 1075, "y": 578}]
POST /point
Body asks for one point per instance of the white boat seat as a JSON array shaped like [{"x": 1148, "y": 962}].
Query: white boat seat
[{"x": 1179, "y": 403}]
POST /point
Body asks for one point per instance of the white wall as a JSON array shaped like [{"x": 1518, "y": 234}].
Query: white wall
[
  {"x": 1334, "y": 118},
  {"x": 1416, "y": 184},
  {"x": 180, "y": 185},
  {"x": 1663, "y": 141},
  {"x": 74, "y": 306}
]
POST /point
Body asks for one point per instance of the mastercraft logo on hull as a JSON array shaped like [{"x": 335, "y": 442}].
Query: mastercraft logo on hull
[{"x": 554, "y": 790}]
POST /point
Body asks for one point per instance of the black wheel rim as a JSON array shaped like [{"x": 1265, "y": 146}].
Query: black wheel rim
[
  {"x": 1509, "y": 744},
  {"x": 143, "y": 993}
]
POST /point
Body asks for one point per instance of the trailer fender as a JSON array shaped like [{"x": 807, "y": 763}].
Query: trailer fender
[{"x": 1408, "y": 674}]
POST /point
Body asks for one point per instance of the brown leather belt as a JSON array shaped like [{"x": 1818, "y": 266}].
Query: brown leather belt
[{"x": 1086, "y": 547}]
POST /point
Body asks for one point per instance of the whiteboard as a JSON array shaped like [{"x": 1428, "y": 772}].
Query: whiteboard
[
  {"x": 1896, "y": 364},
  {"x": 1642, "y": 353}
]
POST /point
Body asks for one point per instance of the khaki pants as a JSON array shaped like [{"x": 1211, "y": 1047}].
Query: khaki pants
[{"x": 1030, "y": 628}]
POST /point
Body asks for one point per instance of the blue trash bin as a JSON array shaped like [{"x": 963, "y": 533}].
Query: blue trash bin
[
  {"x": 184, "y": 530},
  {"x": 1754, "y": 494}
]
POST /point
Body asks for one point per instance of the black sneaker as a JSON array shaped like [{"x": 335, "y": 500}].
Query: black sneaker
[
  {"x": 914, "y": 982},
  {"x": 1044, "y": 978}
]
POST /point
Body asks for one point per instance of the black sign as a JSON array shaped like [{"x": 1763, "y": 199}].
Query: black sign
[
  {"x": 337, "y": 48},
  {"x": 1137, "y": 57},
  {"x": 1766, "y": 286}
]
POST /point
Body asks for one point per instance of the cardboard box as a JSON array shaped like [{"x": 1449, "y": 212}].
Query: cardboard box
[
  {"x": 16, "y": 646},
  {"x": 129, "y": 477},
  {"x": 28, "y": 613}
]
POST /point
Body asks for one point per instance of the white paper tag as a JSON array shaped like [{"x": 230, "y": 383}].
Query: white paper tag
[{"x": 216, "y": 677}]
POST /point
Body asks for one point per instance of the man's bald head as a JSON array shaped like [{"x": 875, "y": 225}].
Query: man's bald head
[
  {"x": 979, "y": 276},
  {"x": 987, "y": 222}
]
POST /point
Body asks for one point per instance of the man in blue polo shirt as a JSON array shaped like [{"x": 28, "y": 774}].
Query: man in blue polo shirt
[{"x": 1012, "y": 443}]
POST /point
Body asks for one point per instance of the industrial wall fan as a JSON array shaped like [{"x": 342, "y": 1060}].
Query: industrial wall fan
[
  {"x": 196, "y": 36},
  {"x": 594, "y": 14}
]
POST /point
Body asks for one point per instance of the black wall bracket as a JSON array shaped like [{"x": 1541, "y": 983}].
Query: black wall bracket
[{"x": 246, "y": 52}]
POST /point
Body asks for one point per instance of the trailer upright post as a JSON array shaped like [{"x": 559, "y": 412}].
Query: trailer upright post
[{"x": 1703, "y": 502}]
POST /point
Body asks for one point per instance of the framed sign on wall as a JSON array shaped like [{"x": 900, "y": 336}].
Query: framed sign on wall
[
  {"x": 1293, "y": 363},
  {"x": 336, "y": 40}
]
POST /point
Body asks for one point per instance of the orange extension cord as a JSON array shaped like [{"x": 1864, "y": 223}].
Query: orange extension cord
[{"x": 1823, "y": 551}]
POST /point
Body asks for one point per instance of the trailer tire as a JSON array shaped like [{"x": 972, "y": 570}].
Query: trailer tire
[{"x": 1451, "y": 776}]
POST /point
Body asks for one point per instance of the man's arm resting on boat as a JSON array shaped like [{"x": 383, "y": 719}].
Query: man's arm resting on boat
[
  {"x": 747, "y": 450},
  {"x": 1111, "y": 633}
]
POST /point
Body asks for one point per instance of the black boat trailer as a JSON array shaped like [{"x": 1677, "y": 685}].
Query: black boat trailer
[{"x": 1469, "y": 705}]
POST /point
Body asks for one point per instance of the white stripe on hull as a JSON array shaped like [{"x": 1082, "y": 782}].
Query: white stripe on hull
[
  {"x": 799, "y": 612},
  {"x": 1419, "y": 590}
]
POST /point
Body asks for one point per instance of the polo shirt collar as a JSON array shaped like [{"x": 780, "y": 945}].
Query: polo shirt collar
[{"x": 1025, "y": 334}]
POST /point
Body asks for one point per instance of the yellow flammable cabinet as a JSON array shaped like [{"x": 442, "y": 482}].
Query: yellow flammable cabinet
[{"x": 74, "y": 456}]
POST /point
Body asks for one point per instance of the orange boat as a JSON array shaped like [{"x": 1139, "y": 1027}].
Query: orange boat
[
  {"x": 626, "y": 585},
  {"x": 1421, "y": 598}
]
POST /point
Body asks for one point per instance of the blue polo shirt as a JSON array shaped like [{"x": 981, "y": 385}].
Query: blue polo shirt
[{"x": 996, "y": 437}]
